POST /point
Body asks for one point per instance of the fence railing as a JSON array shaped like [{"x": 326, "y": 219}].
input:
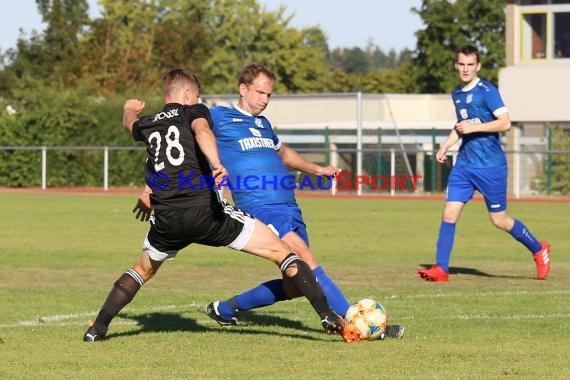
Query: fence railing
[
  {"x": 45, "y": 149},
  {"x": 387, "y": 170}
]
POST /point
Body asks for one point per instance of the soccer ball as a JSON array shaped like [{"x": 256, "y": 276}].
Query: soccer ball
[{"x": 369, "y": 317}]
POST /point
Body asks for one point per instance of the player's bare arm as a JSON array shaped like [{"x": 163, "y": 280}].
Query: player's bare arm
[
  {"x": 501, "y": 124},
  {"x": 294, "y": 160},
  {"x": 131, "y": 110},
  {"x": 207, "y": 143},
  {"x": 452, "y": 138}
]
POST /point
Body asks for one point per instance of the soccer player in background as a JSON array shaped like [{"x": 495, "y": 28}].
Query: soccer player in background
[
  {"x": 181, "y": 147},
  {"x": 481, "y": 165}
]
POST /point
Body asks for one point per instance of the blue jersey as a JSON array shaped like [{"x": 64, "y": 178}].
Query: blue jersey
[
  {"x": 248, "y": 149},
  {"x": 480, "y": 103}
]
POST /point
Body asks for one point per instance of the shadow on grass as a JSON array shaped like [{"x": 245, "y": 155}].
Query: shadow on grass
[
  {"x": 472, "y": 272},
  {"x": 272, "y": 320},
  {"x": 157, "y": 322}
]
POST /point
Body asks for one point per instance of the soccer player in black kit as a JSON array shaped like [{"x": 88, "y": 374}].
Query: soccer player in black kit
[{"x": 182, "y": 166}]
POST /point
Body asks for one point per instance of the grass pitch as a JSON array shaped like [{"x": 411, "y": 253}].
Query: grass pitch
[{"x": 60, "y": 255}]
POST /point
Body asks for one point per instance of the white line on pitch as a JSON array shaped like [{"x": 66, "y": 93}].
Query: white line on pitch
[{"x": 58, "y": 319}]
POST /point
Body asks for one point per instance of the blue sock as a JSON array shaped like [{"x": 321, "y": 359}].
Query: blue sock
[
  {"x": 523, "y": 235},
  {"x": 445, "y": 244},
  {"x": 336, "y": 300},
  {"x": 262, "y": 295}
]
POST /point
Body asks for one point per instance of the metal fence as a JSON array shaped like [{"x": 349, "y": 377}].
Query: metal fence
[{"x": 391, "y": 171}]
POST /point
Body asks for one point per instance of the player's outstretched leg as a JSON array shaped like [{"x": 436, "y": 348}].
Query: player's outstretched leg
[
  {"x": 264, "y": 294},
  {"x": 270, "y": 292},
  {"x": 122, "y": 293}
]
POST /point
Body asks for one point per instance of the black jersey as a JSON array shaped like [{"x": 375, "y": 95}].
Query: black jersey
[{"x": 176, "y": 168}]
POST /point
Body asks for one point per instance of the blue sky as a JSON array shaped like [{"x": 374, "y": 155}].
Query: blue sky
[{"x": 386, "y": 23}]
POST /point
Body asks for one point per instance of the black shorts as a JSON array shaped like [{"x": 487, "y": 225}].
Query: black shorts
[{"x": 212, "y": 225}]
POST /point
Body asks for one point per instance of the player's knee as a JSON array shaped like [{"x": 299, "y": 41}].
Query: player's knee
[
  {"x": 496, "y": 223},
  {"x": 290, "y": 271},
  {"x": 502, "y": 226},
  {"x": 501, "y": 221},
  {"x": 292, "y": 265},
  {"x": 449, "y": 217},
  {"x": 145, "y": 266}
]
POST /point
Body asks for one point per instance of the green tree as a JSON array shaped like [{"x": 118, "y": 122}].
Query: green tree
[
  {"x": 371, "y": 70},
  {"x": 54, "y": 57},
  {"x": 344, "y": 82},
  {"x": 391, "y": 60},
  {"x": 306, "y": 71},
  {"x": 359, "y": 61},
  {"x": 241, "y": 33},
  {"x": 134, "y": 42},
  {"x": 450, "y": 24},
  {"x": 488, "y": 34},
  {"x": 121, "y": 46},
  {"x": 386, "y": 81},
  {"x": 66, "y": 22},
  {"x": 351, "y": 60}
]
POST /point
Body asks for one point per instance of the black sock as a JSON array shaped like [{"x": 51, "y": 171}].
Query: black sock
[
  {"x": 122, "y": 293},
  {"x": 306, "y": 283}
]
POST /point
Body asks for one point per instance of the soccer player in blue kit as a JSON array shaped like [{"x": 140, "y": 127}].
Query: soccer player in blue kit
[
  {"x": 259, "y": 181},
  {"x": 481, "y": 165},
  {"x": 257, "y": 164}
]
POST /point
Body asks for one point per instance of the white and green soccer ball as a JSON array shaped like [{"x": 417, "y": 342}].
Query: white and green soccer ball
[{"x": 369, "y": 317}]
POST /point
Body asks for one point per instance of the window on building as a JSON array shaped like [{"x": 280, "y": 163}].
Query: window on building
[
  {"x": 562, "y": 35},
  {"x": 544, "y": 29},
  {"x": 534, "y": 36}
]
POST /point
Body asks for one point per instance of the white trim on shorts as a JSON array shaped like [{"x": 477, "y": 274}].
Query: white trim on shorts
[
  {"x": 155, "y": 254},
  {"x": 248, "y": 227}
]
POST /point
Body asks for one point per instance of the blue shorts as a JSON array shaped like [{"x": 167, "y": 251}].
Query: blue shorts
[
  {"x": 491, "y": 182},
  {"x": 283, "y": 217}
]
